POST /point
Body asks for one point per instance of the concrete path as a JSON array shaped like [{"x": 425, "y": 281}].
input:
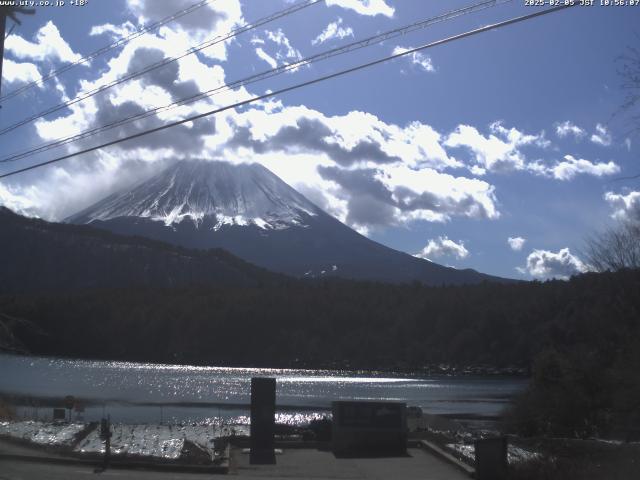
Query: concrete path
[
  {"x": 315, "y": 464},
  {"x": 291, "y": 464},
  {"x": 18, "y": 470}
]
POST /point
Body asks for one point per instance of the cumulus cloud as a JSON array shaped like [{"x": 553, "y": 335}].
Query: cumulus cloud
[
  {"x": 114, "y": 31},
  {"x": 395, "y": 195},
  {"x": 47, "y": 44},
  {"x": 602, "y": 136},
  {"x": 570, "y": 167},
  {"x": 20, "y": 200},
  {"x": 422, "y": 61},
  {"x": 347, "y": 139},
  {"x": 567, "y": 128},
  {"x": 209, "y": 21},
  {"x": 626, "y": 207},
  {"x": 14, "y": 72},
  {"x": 497, "y": 152},
  {"x": 333, "y": 30},
  {"x": 365, "y": 7},
  {"x": 516, "y": 243},
  {"x": 426, "y": 194},
  {"x": 62, "y": 190},
  {"x": 159, "y": 87},
  {"x": 311, "y": 135},
  {"x": 364, "y": 171},
  {"x": 544, "y": 264},
  {"x": 441, "y": 247}
]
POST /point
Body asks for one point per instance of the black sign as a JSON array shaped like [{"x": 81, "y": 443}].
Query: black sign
[
  {"x": 59, "y": 414},
  {"x": 491, "y": 459},
  {"x": 371, "y": 414},
  {"x": 263, "y": 410}
]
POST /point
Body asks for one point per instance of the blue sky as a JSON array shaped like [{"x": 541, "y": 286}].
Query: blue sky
[{"x": 498, "y": 152}]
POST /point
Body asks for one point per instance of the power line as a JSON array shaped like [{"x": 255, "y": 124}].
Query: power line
[
  {"x": 350, "y": 47},
  {"x": 295, "y": 87},
  {"x": 107, "y": 48},
  {"x": 162, "y": 63}
]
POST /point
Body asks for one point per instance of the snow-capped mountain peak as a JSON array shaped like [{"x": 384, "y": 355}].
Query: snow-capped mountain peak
[{"x": 220, "y": 192}]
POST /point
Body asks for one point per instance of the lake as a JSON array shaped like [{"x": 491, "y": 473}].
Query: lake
[{"x": 151, "y": 393}]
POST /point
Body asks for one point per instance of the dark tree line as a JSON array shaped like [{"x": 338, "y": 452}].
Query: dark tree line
[{"x": 367, "y": 325}]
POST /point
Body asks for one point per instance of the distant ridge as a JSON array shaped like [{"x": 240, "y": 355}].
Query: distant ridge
[{"x": 40, "y": 256}]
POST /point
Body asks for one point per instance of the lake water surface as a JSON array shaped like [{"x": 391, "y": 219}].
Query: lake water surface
[{"x": 151, "y": 393}]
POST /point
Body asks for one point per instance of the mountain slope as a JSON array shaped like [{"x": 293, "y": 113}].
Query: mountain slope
[
  {"x": 249, "y": 211},
  {"x": 38, "y": 255}
]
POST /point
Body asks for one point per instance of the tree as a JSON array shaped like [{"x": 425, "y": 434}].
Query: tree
[
  {"x": 615, "y": 248},
  {"x": 629, "y": 73}
]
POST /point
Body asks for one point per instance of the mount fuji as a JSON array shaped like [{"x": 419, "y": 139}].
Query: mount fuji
[{"x": 252, "y": 213}]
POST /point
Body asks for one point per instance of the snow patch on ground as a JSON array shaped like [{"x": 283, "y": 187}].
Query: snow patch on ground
[
  {"x": 42, "y": 433},
  {"x": 156, "y": 441},
  {"x": 159, "y": 441},
  {"x": 514, "y": 454}
]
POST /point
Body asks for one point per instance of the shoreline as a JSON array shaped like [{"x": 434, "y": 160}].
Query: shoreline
[{"x": 438, "y": 369}]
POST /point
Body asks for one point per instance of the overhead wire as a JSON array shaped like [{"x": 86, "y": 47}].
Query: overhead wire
[
  {"x": 166, "y": 61},
  {"x": 316, "y": 80},
  {"x": 350, "y": 47}
]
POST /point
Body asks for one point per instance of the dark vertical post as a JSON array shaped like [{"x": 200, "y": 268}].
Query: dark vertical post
[
  {"x": 3, "y": 26},
  {"x": 263, "y": 410},
  {"x": 105, "y": 434},
  {"x": 491, "y": 459}
]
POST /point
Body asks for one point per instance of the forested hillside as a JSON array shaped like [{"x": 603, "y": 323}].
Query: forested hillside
[{"x": 339, "y": 323}]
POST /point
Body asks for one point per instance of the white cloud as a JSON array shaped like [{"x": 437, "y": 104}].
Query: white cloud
[
  {"x": 627, "y": 143},
  {"x": 570, "y": 167},
  {"x": 417, "y": 58},
  {"x": 279, "y": 38},
  {"x": 543, "y": 264},
  {"x": 212, "y": 20},
  {"x": 436, "y": 197},
  {"x": 365, "y": 7},
  {"x": 21, "y": 200},
  {"x": 602, "y": 136},
  {"x": 114, "y": 31},
  {"x": 266, "y": 57},
  {"x": 443, "y": 246},
  {"x": 627, "y": 207},
  {"x": 19, "y": 72},
  {"x": 65, "y": 189},
  {"x": 366, "y": 172},
  {"x": 500, "y": 151},
  {"x": 48, "y": 44},
  {"x": 333, "y": 30},
  {"x": 55, "y": 192},
  {"x": 567, "y": 128},
  {"x": 283, "y": 53},
  {"x": 516, "y": 243}
]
